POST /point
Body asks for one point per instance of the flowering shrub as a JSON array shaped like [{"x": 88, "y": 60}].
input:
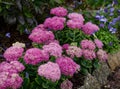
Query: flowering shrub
[
  {"x": 50, "y": 71},
  {"x": 63, "y": 46},
  {"x": 67, "y": 66},
  {"x": 13, "y": 53}
]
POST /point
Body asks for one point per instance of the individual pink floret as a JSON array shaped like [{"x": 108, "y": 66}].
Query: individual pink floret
[
  {"x": 59, "y": 11},
  {"x": 50, "y": 71},
  {"x": 54, "y": 49},
  {"x": 87, "y": 44},
  {"x": 74, "y": 24},
  {"x": 98, "y": 43},
  {"x": 90, "y": 28},
  {"x": 55, "y": 23},
  {"x": 41, "y": 36},
  {"x": 13, "y": 53},
  {"x": 102, "y": 55},
  {"x": 66, "y": 84},
  {"x": 67, "y": 66},
  {"x": 17, "y": 66},
  {"x": 74, "y": 51},
  {"x": 34, "y": 56},
  {"x": 89, "y": 54},
  {"x": 76, "y": 17}
]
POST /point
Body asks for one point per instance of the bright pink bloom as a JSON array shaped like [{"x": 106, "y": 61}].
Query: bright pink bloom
[
  {"x": 59, "y": 11},
  {"x": 76, "y": 21},
  {"x": 66, "y": 84},
  {"x": 13, "y": 53},
  {"x": 74, "y": 24},
  {"x": 74, "y": 51},
  {"x": 89, "y": 54},
  {"x": 87, "y": 44},
  {"x": 90, "y": 28},
  {"x": 41, "y": 36},
  {"x": 98, "y": 43},
  {"x": 50, "y": 71},
  {"x": 17, "y": 66},
  {"x": 54, "y": 49},
  {"x": 102, "y": 55},
  {"x": 67, "y": 66},
  {"x": 55, "y": 23},
  {"x": 34, "y": 56},
  {"x": 76, "y": 17}
]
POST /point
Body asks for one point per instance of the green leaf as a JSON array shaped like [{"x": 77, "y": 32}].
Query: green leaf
[
  {"x": 28, "y": 14},
  {"x": 84, "y": 71},
  {"x": 33, "y": 85},
  {"x": 38, "y": 80},
  {"x": 96, "y": 64},
  {"x": 52, "y": 58},
  {"x": 58, "y": 1},
  {"x": 86, "y": 63},
  {"x": 0, "y": 8},
  {"x": 26, "y": 83},
  {"x": 45, "y": 85}
]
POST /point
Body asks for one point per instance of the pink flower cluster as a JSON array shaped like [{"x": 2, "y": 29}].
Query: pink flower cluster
[
  {"x": 54, "y": 49},
  {"x": 89, "y": 54},
  {"x": 55, "y": 23},
  {"x": 65, "y": 46},
  {"x": 74, "y": 51},
  {"x": 76, "y": 21},
  {"x": 87, "y": 44},
  {"x": 41, "y": 36},
  {"x": 98, "y": 43},
  {"x": 90, "y": 28},
  {"x": 102, "y": 55},
  {"x": 9, "y": 77},
  {"x": 58, "y": 11},
  {"x": 38, "y": 28},
  {"x": 12, "y": 67},
  {"x": 35, "y": 55},
  {"x": 10, "y": 80},
  {"x": 67, "y": 66},
  {"x": 66, "y": 84},
  {"x": 13, "y": 53},
  {"x": 50, "y": 71}
]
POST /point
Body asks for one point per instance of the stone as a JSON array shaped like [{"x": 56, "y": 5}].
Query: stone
[
  {"x": 114, "y": 60},
  {"x": 102, "y": 73},
  {"x": 90, "y": 83}
]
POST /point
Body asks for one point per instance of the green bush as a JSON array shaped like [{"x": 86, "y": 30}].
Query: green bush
[{"x": 26, "y": 14}]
